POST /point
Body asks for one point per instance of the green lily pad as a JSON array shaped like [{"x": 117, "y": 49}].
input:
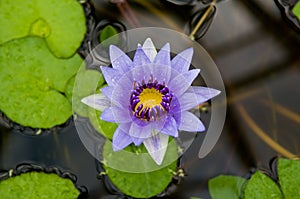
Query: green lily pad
[
  {"x": 33, "y": 81},
  {"x": 137, "y": 183},
  {"x": 289, "y": 177},
  {"x": 35, "y": 185},
  {"x": 106, "y": 33},
  {"x": 88, "y": 82},
  {"x": 85, "y": 83},
  {"x": 27, "y": 105},
  {"x": 60, "y": 22},
  {"x": 296, "y": 9},
  {"x": 105, "y": 128},
  {"x": 260, "y": 186},
  {"x": 226, "y": 187}
]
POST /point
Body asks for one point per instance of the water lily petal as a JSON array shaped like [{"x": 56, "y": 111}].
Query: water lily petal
[
  {"x": 96, "y": 101},
  {"x": 107, "y": 91},
  {"x": 142, "y": 73},
  {"x": 122, "y": 91},
  {"x": 204, "y": 92},
  {"x": 149, "y": 49},
  {"x": 181, "y": 62},
  {"x": 175, "y": 110},
  {"x": 116, "y": 114},
  {"x": 141, "y": 130},
  {"x": 139, "y": 133},
  {"x": 163, "y": 56},
  {"x": 189, "y": 122},
  {"x": 162, "y": 73},
  {"x": 170, "y": 127},
  {"x": 156, "y": 146},
  {"x": 111, "y": 75},
  {"x": 182, "y": 82},
  {"x": 137, "y": 141},
  {"x": 120, "y": 139},
  {"x": 195, "y": 96},
  {"x": 140, "y": 58},
  {"x": 107, "y": 115},
  {"x": 125, "y": 127},
  {"x": 119, "y": 59},
  {"x": 159, "y": 124}
]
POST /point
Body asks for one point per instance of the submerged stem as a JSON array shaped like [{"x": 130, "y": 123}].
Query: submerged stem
[
  {"x": 191, "y": 36},
  {"x": 262, "y": 135},
  {"x": 284, "y": 111}
]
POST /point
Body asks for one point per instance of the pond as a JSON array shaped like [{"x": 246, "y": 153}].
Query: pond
[{"x": 257, "y": 54}]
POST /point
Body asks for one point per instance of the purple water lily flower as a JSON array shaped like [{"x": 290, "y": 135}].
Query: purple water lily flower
[{"x": 150, "y": 97}]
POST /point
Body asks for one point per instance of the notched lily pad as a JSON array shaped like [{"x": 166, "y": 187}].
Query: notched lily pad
[
  {"x": 33, "y": 82},
  {"x": 226, "y": 187},
  {"x": 60, "y": 22},
  {"x": 289, "y": 177},
  {"x": 261, "y": 186},
  {"x": 140, "y": 184},
  {"x": 38, "y": 185}
]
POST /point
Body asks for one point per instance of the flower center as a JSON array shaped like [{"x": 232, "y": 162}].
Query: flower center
[
  {"x": 150, "y": 97},
  {"x": 149, "y": 101}
]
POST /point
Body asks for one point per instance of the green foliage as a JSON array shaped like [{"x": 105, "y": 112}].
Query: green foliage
[
  {"x": 226, "y": 187},
  {"x": 88, "y": 82},
  {"x": 85, "y": 83},
  {"x": 60, "y": 22},
  {"x": 139, "y": 184},
  {"x": 105, "y": 128},
  {"x": 296, "y": 9},
  {"x": 260, "y": 186},
  {"x": 35, "y": 185},
  {"x": 107, "y": 33},
  {"x": 289, "y": 177},
  {"x": 33, "y": 81}
]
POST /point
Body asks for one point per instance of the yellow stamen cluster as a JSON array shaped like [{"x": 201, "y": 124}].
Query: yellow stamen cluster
[{"x": 149, "y": 98}]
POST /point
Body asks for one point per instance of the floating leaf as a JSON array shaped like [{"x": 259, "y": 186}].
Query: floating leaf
[
  {"x": 260, "y": 186},
  {"x": 289, "y": 177},
  {"x": 61, "y": 23},
  {"x": 105, "y": 128},
  {"x": 34, "y": 185},
  {"x": 85, "y": 83},
  {"x": 226, "y": 187},
  {"x": 139, "y": 184},
  {"x": 32, "y": 82},
  {"x": 106, "y": 33},
  {"x": 27, "y": 105},
  {"x": 296, "y": 9}
]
